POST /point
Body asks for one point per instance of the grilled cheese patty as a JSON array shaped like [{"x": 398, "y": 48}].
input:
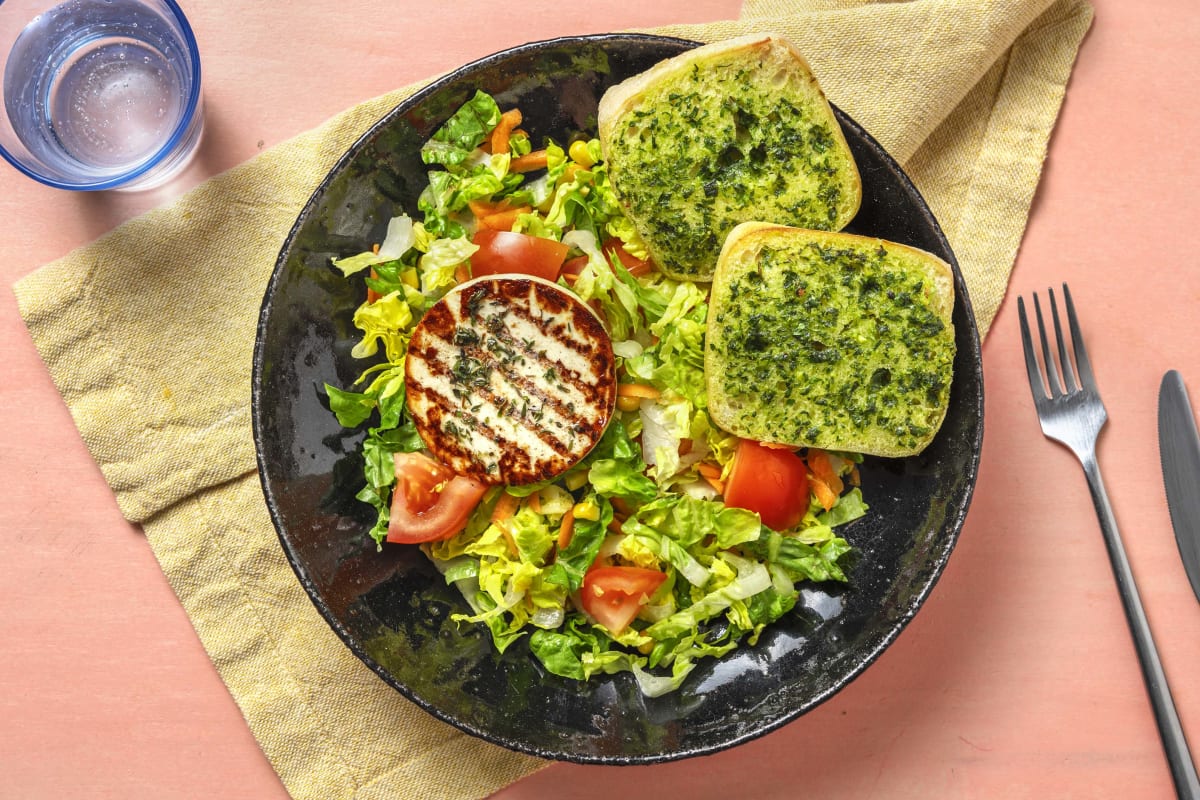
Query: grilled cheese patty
[{"x": 510, "y": 379}]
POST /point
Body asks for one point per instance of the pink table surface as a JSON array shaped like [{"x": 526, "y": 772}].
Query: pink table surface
[{"x": 1018, "y": 677}]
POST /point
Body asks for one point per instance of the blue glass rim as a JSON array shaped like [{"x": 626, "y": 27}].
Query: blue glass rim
[{"x": 185, "y": 123}]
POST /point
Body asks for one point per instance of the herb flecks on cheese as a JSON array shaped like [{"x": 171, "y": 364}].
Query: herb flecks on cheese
[{"x": 510, "y": 379}]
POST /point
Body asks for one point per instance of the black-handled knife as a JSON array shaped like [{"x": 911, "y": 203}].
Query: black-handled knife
[{"x": 1179, "y": 448}]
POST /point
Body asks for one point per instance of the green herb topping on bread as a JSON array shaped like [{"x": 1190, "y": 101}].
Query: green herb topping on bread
[
  {"x": 727, "y": 133},
  {"x": 829, "y": 340}
]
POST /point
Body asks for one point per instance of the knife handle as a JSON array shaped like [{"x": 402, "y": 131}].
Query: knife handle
[{"x": 1179, "y": 757}]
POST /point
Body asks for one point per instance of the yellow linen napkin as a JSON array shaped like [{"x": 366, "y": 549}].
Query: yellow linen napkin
[{"x": 154, "y": 363}]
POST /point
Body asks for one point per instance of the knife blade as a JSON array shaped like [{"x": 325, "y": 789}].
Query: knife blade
[{"x": 1179, "y": 449}]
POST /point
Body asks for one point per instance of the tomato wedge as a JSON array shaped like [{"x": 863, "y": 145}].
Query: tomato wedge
[
  {"x": 504, "y": 252},
  {"x": 613, "y": 596},
  {"x": 430, "y": 502},
  {"x": 572, "y": 268},
  {"x": 768, "y": 480}
]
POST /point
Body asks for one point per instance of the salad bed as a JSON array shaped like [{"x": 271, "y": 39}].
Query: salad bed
[{"x": 672, "y": 540}]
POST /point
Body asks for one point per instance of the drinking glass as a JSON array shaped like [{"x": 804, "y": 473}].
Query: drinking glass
[{"x": 99, "y": 94}]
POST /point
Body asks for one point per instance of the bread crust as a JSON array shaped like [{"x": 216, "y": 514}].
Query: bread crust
[{"x": 618, "y": 99}]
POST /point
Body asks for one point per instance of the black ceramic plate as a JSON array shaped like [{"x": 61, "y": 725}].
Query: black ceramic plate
[{"x": 393, "y": 610}]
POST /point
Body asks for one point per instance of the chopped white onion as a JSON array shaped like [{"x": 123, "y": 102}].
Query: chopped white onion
[
  {"x": 399, "y": 239},
  {"x": 628, "y": 348},
  {"x": 548, "y": 618},
  {"x": 700, "y": 490}
]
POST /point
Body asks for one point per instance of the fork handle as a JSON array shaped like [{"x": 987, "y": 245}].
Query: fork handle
[{"x": 1183, "y": 769}]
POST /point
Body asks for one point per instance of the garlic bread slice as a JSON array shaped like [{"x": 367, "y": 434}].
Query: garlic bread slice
[
  {"x": 829, "y": 340},
  {"x": 726, "y": 133}
]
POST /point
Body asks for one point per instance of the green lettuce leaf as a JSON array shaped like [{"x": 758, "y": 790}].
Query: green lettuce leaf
[
  {"x": 803, "y": 561},
  {"x": 562, "y": 651},
  {"x": 751, "y": 577},
  {"x": 351, "y": 408},
  {"x": 616, "y": 466},
  {"x": 848, "y": 508},
  {"x": 688, "y": 520},
  {"x": 466, "y": 129},
  {"x": 598, "y": 281}
]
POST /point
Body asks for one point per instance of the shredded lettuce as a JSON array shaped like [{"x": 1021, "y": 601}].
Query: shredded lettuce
[
  {"x": 399, "y": 240},
  {"x": 466, "y": 129},
  {"x": 599, "y": 281},
  {"x": 617, "y": 469},
  {"x": 387, "y": 320},
  {"x": 440, "y": 261}
]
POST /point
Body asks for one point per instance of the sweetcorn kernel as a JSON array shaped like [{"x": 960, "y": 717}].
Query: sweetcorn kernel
[
  {"x": 587, "y": 510},
  {"x": 578, "y": 151}
]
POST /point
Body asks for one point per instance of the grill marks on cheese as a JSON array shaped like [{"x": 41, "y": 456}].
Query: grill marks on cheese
[{"x": 510, "y": 380}]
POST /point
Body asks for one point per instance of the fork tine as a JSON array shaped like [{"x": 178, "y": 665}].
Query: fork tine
[
  {"x": 1067, "y": 371},
  {"x": 1084, "y": 365},
  {"x": 1036, "y": 383},
  {"x": 1051, "y": 369}
]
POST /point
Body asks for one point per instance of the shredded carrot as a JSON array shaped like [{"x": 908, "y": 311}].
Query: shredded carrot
[
  {"x": 822, "y": 468},
  {"x": 481, "y": 208},
  {"x": 484, "y": 208},
  {"x": 566, "y": 529},
  {"x": 505, "y": 507},
  {"x": 685, "y": 446},
  {"x": 637, "y": 267},
  {"x": 638, "y": 390},
  {"x": 529, "y": 162},
  {"x": 717, "y": 484},
  {"x": 506, "y": 532},
  {"x": 373, "y": 295},
  {"x": 503, "y": 220},
  {"x": 497, "y": 216},
  {"x": 825, "y": 495},
  {"x": 462, "y": 272},
  {"x": 503, "y": 130},
  {"x": 712, "y": 474},
  {"x": 854, "y": 479},
  {"x": 535, "y": 502}
]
